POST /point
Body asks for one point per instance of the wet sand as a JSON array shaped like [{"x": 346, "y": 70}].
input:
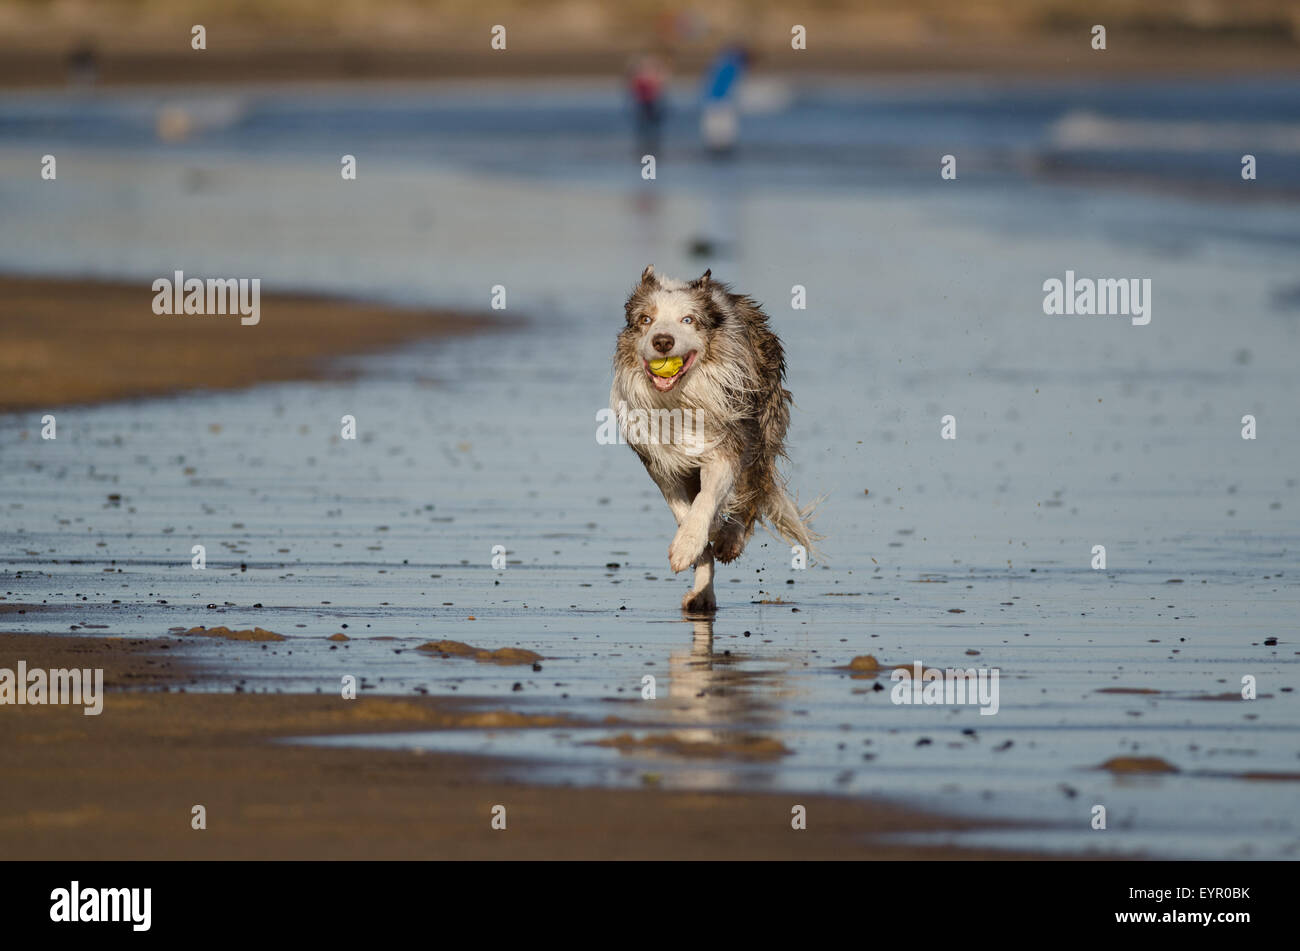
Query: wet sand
[
  {"x": 122, "y": 785},
  {"x": 75, "y": 342}
]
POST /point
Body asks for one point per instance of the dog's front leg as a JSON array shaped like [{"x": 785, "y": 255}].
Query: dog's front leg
[
  {"x": 678, "y": 494},
  {"x": 716, "y": 481},
  {"x": 701, "y": 599}
]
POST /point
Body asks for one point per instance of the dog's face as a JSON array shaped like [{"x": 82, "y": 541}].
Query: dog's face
[{"x": 668, "y": 321}]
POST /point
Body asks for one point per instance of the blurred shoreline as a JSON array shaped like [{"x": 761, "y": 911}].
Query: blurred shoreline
[{"x": 48, "y": 65}]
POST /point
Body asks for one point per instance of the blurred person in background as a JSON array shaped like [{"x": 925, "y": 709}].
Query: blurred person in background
[
  {"x": 646, "y": 80},
  {"x": 719, "y": 116},
  {"x": 82, "y": 64}
]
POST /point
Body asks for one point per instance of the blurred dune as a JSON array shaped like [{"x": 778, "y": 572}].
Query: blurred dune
[{"x": 143, "y": 40}]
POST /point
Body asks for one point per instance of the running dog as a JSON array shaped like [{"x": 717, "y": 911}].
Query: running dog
[{"x": 698, "y": 394}]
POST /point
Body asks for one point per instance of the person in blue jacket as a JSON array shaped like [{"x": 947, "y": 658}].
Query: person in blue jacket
[{"x": 719, "y": 117}]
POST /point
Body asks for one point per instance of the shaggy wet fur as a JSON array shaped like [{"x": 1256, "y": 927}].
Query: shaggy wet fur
[{"x": 722, "y": 420}]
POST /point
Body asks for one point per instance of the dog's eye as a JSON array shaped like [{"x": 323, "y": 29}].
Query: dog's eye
[
  {"x": 688, "y": 319},
  {"x": 645, "y": 318}
]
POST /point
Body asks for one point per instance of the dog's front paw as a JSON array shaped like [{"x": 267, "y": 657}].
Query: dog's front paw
[{"x": 686, "y": 549}]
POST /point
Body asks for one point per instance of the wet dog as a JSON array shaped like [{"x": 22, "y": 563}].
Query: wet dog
[{"x": 698, "y": 393}]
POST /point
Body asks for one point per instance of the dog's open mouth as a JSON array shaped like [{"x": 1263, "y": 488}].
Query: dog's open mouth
[{"x": 666, "y": 371}]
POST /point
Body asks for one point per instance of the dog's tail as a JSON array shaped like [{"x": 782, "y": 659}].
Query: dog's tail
[{"x": 790, "y": 522}]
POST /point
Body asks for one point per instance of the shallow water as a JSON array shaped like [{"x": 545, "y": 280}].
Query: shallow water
[{"x": 924, "y": 299}]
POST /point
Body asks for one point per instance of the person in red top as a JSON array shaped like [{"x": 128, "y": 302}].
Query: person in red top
[{"x": 646, "y": 81}]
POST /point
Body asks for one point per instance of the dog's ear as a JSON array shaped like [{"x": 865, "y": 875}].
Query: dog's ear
[
  {"x": 648, "y": 275},
  {"x": 703, "y": 280}
]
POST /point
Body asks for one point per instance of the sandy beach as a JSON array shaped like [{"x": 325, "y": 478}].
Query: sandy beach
[
  {"x": 122, "y": 785},
  {"x": 74, "y": 342}
]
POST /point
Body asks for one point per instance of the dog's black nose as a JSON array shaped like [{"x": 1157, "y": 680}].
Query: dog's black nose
[{"x": 662, "y": 342}]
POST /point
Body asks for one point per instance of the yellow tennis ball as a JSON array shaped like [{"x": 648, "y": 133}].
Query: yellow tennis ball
[{"x": 666, "y": 367}]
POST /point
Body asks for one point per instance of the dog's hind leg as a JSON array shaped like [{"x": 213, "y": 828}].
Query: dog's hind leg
[{"x": 730, "y": 538}]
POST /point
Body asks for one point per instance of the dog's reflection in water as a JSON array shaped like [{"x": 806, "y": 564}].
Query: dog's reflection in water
[{"x": 719, "y": 707}]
